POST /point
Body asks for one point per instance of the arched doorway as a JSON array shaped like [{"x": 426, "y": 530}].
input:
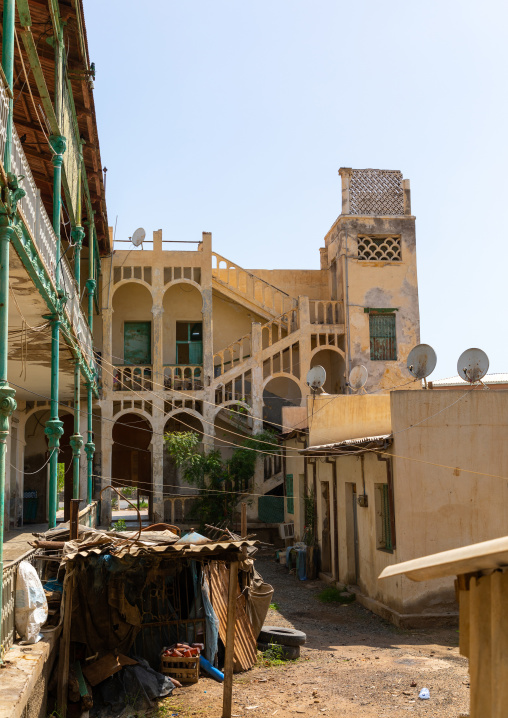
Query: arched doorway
[
  {"x": 334, "y": 365},
  {"x": 132, "y": 459},
  {"x": 178, "y": 510},
  {"x": 278, "y": 392}
]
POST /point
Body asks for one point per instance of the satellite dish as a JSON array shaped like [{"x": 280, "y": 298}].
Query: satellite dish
[
  {"x": 138, "y": 237},
  {"x": 421, "y": 361},
  {"x": 473, "y": 364},
  {"x": 316, "y": 377},
  {"x": 358, "y": 377}
]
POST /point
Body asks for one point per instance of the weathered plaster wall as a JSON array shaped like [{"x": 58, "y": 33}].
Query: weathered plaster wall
[
  {"x": 440, "y": 508},
  {"x": 310, "y": 282},
  {"x": 231, "y": 321},
  {"x": 379, "y": 285},
  {"x": 182, "y": 303},
  {"x": 294, "y": 464},
  {"x": 337, "y": 418},
  {"x": 131, "y": 303}
]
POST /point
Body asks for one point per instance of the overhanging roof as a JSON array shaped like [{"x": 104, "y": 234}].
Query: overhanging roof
[
  {"x": 487, "y": 555},
  {"x": 350, "y": 445}
]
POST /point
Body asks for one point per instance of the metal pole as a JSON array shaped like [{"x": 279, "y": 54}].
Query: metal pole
[
  {"x": 90, "y": 286},
  {"x": 7, "y": 213},
  {"x": 54, "y": 426},
  {"x": 76, "y": 440}
]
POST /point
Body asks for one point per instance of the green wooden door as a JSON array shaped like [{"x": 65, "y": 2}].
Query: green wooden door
[{"x": 137, "y": 342}]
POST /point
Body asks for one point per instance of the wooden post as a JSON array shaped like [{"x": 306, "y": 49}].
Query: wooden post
[
  {"x": 243, "y": 530},
  {"x": 64, "y": 653},
  {"x": 74, "y": 519},
  {"x": 230, "y": 640}
]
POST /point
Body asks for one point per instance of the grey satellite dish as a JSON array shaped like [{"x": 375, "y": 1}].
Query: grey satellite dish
[
  {"x": 316, "y": 377},
  {"x": 473, "y": 364},
  {"x": 421, "y": 361},
  {"x": 138, "y": 237},
  {"x": 358, "y": 377}
]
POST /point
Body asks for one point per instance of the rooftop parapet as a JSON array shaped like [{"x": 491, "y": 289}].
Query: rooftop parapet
[{"x": 374, "y": 192}]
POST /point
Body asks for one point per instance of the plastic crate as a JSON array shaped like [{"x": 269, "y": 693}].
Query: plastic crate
[{"x": 185, "y": 670}]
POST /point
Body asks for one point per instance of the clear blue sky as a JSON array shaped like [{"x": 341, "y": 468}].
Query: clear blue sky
[{"x": 234, "y": 117}]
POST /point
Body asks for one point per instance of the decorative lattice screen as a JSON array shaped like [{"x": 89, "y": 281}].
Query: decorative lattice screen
[
  {"x": 379, "y": 249},
  {"x": 377, "y": 192}
]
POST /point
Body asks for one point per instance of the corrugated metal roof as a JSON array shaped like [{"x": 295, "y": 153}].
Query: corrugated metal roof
[
  {"x": 483, "y": 556},
  {"x": 349, "y": 443},
  {"x": 501, "y": 378}
]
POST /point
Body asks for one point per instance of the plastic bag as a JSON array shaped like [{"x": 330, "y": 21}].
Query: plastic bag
[{"x": 31, "y": 607}]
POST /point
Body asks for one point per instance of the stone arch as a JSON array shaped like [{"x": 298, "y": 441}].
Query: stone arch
[
  {"x": 231, "y": 402},
  {"x": 132, "y": 302},
  {"x": 182, "y": 280},
  {"x": 278, "y": 391},
  {"x": 231, "y": 428},
  {"x": 332, "y": 360},
  {"x": 131, "y": 280},
  {"x": 173, "y": 482},
  {"x": 131, "y": 463}
]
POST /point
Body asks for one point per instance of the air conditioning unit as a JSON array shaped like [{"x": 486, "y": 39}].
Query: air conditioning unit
[{"x": 287, "y": 531}]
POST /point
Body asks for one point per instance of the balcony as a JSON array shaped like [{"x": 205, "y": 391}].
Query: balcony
[
  {"x": 39, "y": 226},
  {"x": 183, "y": 377},
  {"x": 132, "y": 378}
]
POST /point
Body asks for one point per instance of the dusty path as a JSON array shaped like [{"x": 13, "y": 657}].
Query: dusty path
[{"x": 353, "y": 664}]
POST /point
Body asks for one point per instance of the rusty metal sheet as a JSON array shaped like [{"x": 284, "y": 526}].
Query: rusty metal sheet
[{"x": 245, "y": 643}]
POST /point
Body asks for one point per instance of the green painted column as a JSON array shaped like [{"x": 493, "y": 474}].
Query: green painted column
[
  {"x": 76, "y": 440},
  {"x": 54, "y": 426},
  {"x": 90, "y": 287},
  {"x": 9, "y": 14}
]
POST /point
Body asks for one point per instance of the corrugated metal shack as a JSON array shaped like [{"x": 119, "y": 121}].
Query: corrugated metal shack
[{"x": 133, "y": 593}]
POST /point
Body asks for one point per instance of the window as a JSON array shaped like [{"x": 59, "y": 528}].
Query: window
[
  {"x": 383, "y": 341},
  {"x": 137, "y": 341},
  {"x": 189, "y": 343},
  {"x": 289, "y": 494},
  {"x": 379, "y": 249},
  {"x": 384, "y": 518}
]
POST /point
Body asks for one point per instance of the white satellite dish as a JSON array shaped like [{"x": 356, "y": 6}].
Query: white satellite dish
[
  {"x": 358, "y": 377},
  {"x": 316, "y": 377},
  {"x": 138, "y": 237},
  {"x": 473, "y": 364},
  {"x": 421, "y": 361}
]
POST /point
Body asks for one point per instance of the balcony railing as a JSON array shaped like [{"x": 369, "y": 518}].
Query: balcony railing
[
  {"x": 132, "y": 378},
  {"x": 325, "y": 311},
  {"x": 183, "y": 377},
  {"x": 37, "y": 221}
]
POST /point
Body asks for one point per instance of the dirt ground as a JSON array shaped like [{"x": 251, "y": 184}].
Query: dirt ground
[{"x": 353, "y": 664}]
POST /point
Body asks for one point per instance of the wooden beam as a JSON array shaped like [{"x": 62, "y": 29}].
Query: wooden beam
[
  {"x": 33, "y": 58},
  {"x": 64, "y": 653},
  {"x": 243, "y": 530},
  {"x": 227, "y": 698}
]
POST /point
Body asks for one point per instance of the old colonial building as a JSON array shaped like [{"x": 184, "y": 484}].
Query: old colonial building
[{"x": 191, "y": 340}]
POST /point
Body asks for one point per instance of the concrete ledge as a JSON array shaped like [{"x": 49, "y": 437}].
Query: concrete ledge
[
  {"x": 25, "y": 667},
  {"x": 405, "y": 620}
]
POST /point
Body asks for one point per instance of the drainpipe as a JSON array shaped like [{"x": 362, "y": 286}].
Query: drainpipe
[
  {"x": 90, "y": 287},
  {"x": 10, "y": 195},
  {"x": 54, "y": 426}
]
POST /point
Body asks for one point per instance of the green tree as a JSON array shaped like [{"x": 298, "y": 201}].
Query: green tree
[{"x": 221, "y": 483}]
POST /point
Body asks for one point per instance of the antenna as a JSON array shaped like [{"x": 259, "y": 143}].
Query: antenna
[
  {"x": 358, "y": 377},
  {"x": 422, "y": 361},
  {"x": 316, "y": 377},
  {"x": 473, "y": 364},
  {"x": 138, "y": 237}
]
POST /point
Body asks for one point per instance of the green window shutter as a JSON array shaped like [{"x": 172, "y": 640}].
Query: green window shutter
[
  {"x": 289, "y": 494},
  {"x": 137, "y": 342},
  {"x": 383, "y": 341}
]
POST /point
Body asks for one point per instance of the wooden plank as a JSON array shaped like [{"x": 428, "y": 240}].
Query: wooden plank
[
  {"x": 243, "y": 530},
  {"x": 245, "y": 652},
  {"x": 64, "y": 653},
  {"x": 227, "y": 696}
]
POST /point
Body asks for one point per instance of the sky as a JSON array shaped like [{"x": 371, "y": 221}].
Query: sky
[{"x": 234, "y": 117}]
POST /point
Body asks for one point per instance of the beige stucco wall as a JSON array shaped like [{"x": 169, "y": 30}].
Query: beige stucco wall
[
  {"x": 231, "y": 321},
  {"x": 313, "y": 283},
  {"x": 294, "y": 464},
  {"x": 181, "y": 303},
  {"x": 337, "y": 418},
  {"x": 131, "y": 303}
]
